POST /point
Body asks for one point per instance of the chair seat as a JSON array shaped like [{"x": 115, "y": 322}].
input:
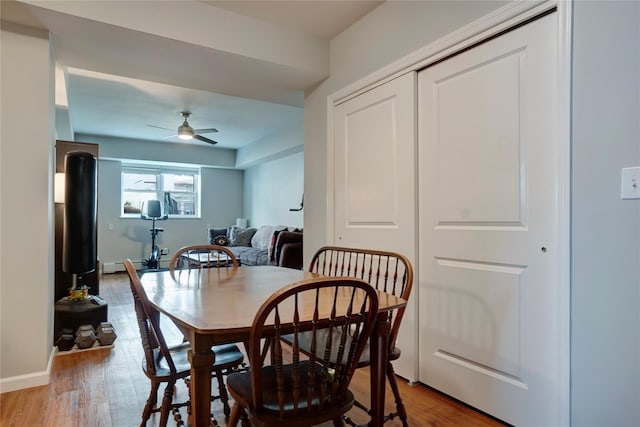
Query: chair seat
[
  {"x": 179, "y": 354},
  {"x": 227, "y": 356},
  {"x": 239, "y": 384},
  {"x": 365, "y": 360}
]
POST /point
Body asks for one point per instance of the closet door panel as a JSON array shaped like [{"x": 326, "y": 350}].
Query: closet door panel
[
  {"x": 488, "y": 226},
  {"x": 374, "y": 184}
]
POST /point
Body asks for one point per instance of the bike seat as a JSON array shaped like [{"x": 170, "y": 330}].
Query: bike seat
[{"x": 157, "y": 230}]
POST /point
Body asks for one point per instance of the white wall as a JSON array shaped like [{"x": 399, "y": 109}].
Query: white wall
[
  {"x": 274, "y": 177},
  {"x": 26, "y": 211},
  {"x": 605, "y": 361},
  {"x": 281, "y": 143},
  {"x": 272, "y": 188},
  {"x": 262, "y": 60},
  {"x": 26, "y": 208},
  {"x": 391, "y": 31}
]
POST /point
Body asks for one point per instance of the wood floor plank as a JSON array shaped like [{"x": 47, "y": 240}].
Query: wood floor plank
[{"x": 105, "y": 387}]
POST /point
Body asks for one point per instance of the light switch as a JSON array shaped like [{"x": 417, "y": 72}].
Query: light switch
[{"x": 630, "y": 183}]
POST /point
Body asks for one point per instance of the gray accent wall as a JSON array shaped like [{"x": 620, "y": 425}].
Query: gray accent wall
[
  {"x": 130, "y": 238},
  {"x": 262, "y": 186},
  {"x": 119, "y": 238}
]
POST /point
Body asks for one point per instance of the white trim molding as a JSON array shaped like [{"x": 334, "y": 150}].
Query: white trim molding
[
  {"x": 565, "y": 53},
  {"x": 33, "y": 379}
]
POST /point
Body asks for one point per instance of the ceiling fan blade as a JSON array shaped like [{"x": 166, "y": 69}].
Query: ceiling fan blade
[
  {"x": 160, "y": 127},
  {"x": 210, "y": 130},
  {"x": 204, "y": 139}
]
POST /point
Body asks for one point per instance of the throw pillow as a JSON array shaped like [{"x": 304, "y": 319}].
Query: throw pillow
[
  {"x": 234, "y": 230},
  {"x": 262, "y": 238},
  {"x": 243, "y": 238},
  {"x": 221, "y": 241},
  {"x": 215, "y": 232}
]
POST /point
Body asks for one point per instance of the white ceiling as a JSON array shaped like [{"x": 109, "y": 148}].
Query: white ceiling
[
  {"x": 122, "y": 78},
  {"x": 103, "y": 104},
  {"x": 325, "y": 18}
]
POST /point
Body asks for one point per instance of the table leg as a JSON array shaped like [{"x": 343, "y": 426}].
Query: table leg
[
  {"x": 379, "y": 347},
  {"x": 201, "y": 358}
]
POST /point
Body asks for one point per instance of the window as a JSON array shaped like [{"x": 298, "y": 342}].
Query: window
[{"x": 177, "y": 189}]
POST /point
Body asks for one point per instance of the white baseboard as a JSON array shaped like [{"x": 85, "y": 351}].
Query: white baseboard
[
  {"x": 34, "y": 379},
  {"x": 109, "y": 267},
  {"x": 118, "y": 267}
]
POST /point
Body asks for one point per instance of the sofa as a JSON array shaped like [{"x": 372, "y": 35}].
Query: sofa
[{"x": 264, "y": 245}]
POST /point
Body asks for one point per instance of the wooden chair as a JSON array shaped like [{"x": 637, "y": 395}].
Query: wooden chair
[
  {"x": 386, "y": 271},
  {"x": 339, "y": 315},
  {"x": 203, "y": 256},
  {"x": 164, "y": 364}
]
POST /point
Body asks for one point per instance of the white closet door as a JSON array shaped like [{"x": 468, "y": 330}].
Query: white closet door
[
  {"x": 488, "y": 206},
  {"x": 374, "y": 184}
]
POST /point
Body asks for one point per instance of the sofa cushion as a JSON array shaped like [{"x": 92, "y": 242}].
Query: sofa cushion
[
  {"x": 243, "y": 237},
  {"x": 288, "y": 238},
  {"x": 249, "y": 256}
]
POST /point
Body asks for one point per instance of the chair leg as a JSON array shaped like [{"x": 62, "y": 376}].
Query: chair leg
[
  {"x": 338, "y": 422},
  {"x": 234, "y": 418},
  {"x": 151, "y": 403},
  {"x": 402, "y": 412},
  {"x": 245, "y": 419},
  {"x": 224, "y": 397},
  {"x": 167, "y": 399}
]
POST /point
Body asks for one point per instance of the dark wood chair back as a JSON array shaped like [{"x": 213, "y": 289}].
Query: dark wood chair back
[
  {"x": 386, "y": 271},
  {"x": 167, "y": 364},
  {"x": 337, "y": 316},
  {"x": 153, "y": 341},
  {"x": 162, "y": 364}
]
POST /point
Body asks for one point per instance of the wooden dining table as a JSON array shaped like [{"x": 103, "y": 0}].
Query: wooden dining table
[{"x": 217, "y": 306}]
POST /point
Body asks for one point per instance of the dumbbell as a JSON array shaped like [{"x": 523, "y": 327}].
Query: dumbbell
[
  {"x": 85, "y": 336},
  {"x": 65, "y": 340},
  {"x": 106, "y": 333}
]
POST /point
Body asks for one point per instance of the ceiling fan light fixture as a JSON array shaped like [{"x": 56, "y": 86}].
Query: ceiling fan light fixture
[{"x": 185, "y": 132}]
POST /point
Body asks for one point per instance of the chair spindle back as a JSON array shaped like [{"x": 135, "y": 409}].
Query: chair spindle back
[{"x": 386, "y": 271}]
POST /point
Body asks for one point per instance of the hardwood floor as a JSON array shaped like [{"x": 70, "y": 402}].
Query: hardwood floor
[{"x": 106, "y": 386}]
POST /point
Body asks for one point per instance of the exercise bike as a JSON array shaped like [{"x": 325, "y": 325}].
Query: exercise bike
[{"x": 154, "y": 213}]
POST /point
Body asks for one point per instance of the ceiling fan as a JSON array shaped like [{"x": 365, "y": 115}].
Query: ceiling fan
[{"x": 186, "y": 132}]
